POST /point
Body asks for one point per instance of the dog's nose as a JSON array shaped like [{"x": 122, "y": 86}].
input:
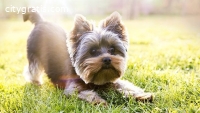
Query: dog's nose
[{"x": 106, "y": 60}]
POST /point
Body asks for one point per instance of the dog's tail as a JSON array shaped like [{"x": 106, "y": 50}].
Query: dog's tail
[{"x": 32, "y": 15}]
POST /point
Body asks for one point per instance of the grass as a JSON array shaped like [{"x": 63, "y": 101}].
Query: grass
[{"x": 164, "y": 58}]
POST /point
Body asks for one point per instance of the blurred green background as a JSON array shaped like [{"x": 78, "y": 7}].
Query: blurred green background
[
  {"x": 164, "y": 55},
  {"x": 129, "y": 9}
]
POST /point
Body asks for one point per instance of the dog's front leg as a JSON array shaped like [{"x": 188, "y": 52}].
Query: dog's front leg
[
  {"x": 92, "y": 97},
  {"x": 128, "y": 89},
  {"x": 84, "y": 92}
]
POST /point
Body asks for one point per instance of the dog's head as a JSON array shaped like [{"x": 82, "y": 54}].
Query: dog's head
[{"x": 98, "y": 53}]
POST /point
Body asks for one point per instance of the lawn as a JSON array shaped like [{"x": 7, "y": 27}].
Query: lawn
[{"x": 164, "y": 58}]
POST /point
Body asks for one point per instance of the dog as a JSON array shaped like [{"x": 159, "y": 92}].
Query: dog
[{"x": 84, "y": 60}]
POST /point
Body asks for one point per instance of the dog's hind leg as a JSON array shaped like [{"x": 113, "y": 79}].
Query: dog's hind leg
[{"x": 33, "y": 72}]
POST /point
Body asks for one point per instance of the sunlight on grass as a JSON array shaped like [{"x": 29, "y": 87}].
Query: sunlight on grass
[{"x": 164, "y": 58}]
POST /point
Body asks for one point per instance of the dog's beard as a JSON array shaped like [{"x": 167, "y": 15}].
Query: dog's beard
[{"x": 93, "y": 70}]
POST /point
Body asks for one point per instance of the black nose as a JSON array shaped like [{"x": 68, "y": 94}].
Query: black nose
[{"x": 106, "y": 60}]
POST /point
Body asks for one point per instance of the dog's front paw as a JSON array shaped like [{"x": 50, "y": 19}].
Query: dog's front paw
[
  {"x": 144, "y": 97},
  {"x": 99, "y": 101},
  {"x": 92, "y": 97}
]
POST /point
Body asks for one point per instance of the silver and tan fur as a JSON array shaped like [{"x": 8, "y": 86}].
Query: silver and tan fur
[{"x": 86, "y": 59}]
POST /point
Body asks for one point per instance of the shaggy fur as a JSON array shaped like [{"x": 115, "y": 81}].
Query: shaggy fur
[
  {"x": 46, "y": 50},
  {"x": 87, "y": 59}
]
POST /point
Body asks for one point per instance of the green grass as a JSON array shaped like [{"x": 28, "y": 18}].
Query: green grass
[{"x": 164, "y": 58}]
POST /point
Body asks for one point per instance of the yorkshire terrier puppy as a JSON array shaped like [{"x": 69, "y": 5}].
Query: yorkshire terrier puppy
[{"x": 87, "y": 59}]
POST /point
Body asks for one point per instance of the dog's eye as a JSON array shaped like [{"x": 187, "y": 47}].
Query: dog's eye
[
  {"x": 111, "y": 50},
  {"x": 94, "y": 52}
]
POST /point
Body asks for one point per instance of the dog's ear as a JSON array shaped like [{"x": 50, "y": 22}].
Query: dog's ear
[
  {"x": 114, "y": 24},
  {"x": 81, "y": 25}
]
